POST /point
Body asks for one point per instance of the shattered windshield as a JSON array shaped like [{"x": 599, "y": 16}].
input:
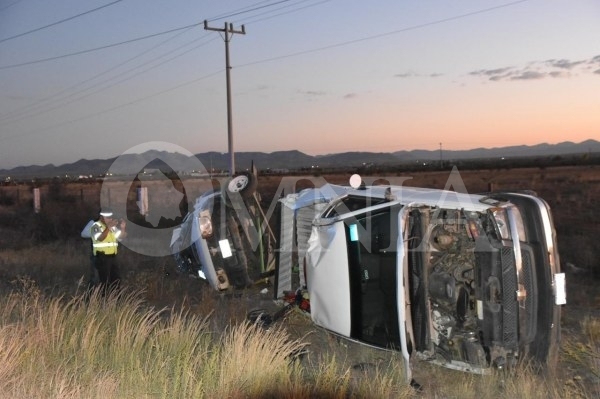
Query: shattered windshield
[{"x": 351, "y": 203}]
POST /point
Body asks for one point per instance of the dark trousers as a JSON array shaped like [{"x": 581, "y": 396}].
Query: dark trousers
[{"x": 108, "y": 270}]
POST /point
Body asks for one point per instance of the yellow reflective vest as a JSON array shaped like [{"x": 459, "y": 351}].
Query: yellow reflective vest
[{"x": 110, "y": 244}]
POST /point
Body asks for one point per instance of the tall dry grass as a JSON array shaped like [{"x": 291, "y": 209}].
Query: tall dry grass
[
  {"x": 583, "y": 354},
  {"x": 95, "y": 346},
  {"x": 524, "y": 381},
  {"x": 92, "y": 346},
  {"x": 117, "y": 346}
]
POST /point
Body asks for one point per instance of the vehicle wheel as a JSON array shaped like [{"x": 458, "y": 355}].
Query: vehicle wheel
[{"x": 243, "y": 183}]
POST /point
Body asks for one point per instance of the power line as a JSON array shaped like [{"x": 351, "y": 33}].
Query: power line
[
  {"x": 99, "y": 48},
  {"x": 341, "y": 44},
  {"x": 253, "y": 21},
  {"x": 380, "y": 35},
  {"x": 84, "y": 96},
  {"x": 247, "y": 11},
  {"x": 29, "y": 111},
  {"x": 130, "y": 40},
  {"x": 419, "y": 26},
  {"x": 270, "y": 59},
  {"x": 10, "y": 5},
  {"x": 25, "y": 111},
  {"x": 59, "y": 22},
  {"x": 105, "y": 111}
]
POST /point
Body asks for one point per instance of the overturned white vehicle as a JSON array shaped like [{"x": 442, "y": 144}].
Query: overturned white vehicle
[
  {"x": 470, "y": 282},
  {"x": 225, "y": 239}
]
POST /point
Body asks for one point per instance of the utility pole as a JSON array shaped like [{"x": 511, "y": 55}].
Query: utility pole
[
  {"x": 228, "y": 33},
  {"x": 441, "y": 158}
]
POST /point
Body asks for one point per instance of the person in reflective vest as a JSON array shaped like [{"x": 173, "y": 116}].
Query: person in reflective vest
[{"x": 106, "y": 233}]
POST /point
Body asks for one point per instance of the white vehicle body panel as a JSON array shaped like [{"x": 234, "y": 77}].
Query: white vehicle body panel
[{"x": 327, "y": 277}]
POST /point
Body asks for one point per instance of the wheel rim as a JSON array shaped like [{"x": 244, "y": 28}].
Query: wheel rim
[{"x": 238, "y": 183}]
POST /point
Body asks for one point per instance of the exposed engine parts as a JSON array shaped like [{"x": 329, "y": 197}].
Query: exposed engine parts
[{"x": 449, "y": 246}]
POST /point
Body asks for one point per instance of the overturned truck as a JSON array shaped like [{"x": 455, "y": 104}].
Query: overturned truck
[{"x": 470, "y": 282}]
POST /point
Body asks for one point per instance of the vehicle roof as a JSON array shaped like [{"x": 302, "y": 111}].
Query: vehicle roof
[{"x": 400, "y": 194}]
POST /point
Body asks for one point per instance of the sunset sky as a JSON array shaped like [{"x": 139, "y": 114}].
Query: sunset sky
[{"x": 91, "y": 79}]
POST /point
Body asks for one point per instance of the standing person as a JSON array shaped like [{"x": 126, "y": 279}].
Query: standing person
[{"x": 106, "y": 234}]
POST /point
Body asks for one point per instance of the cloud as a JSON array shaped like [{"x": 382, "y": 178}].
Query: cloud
[
  {"x": 417, "y": 75},
  {"x": 404, "y": 75},
  {"x": 529, "y": 75},
  {"x": 312, "y": 93},
  {"x": 350, "y": 95},
  {"x": 491, "y": 72},
  {"x": 564, "y": 64},
  {"x": 558, "y": 74},
  {"x": 554, "y": 68}
]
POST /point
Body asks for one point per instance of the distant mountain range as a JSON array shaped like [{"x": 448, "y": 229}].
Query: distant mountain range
[{"x": 286, "y": 160}]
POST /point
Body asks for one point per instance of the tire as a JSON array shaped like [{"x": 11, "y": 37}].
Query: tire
[{"x": 243, "y": 183}]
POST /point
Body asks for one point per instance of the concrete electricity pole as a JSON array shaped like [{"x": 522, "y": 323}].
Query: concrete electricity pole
[{"x": 228, "y": 31}]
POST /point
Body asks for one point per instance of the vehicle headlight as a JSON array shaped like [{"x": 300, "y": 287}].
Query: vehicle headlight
[
  {"x": 502, "y": 223},
  {"x": 205, "y": 223}
]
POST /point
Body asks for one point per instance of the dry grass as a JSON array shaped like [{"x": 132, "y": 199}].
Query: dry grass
[
  {"x": 521, "y": 382},
  {"x": 88, "y": 346},
  {"x": 91, "y": 346},
  {"x": 581, "y": 352}
]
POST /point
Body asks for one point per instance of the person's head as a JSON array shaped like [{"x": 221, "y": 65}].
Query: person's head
[{"x": 106, "y": 215}]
